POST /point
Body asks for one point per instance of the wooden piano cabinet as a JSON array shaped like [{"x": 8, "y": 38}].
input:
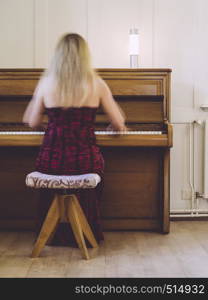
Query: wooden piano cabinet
[
  {"x": 135, "y": 196},
  {"x": 137, "y": 170}
]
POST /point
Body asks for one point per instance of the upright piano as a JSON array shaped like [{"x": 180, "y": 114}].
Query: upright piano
[{"x": 137, "y": 163}]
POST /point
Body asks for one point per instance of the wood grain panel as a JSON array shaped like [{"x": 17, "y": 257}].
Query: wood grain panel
[
  {"x": 134, "y": 87},
  {"x": 132, "y": 186},
  {"x": 17, "y": 201}
]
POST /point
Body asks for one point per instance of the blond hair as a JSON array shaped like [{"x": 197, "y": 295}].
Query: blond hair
[{"x": 71, "y": 70}]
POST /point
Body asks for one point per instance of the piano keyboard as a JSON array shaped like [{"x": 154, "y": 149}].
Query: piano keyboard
[
  {"x": 96, "y": 132},
  {"x": 127, "y": 132}
]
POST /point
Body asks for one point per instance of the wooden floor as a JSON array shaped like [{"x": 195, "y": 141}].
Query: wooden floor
[{"x": 182, "y": 253}]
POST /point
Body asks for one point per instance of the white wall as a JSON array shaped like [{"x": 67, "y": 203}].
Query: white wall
[
  {"x": 173, "y": 35},
  {"x": 16, "y": 33}
]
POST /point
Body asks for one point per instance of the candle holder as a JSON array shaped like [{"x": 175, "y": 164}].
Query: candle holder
[{"x": 134, "y": 47}]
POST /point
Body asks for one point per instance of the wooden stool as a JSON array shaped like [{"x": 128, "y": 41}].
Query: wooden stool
[{"x": 64, "y": 207}]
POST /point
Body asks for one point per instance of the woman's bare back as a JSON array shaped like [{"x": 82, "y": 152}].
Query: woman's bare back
[{"x": 51, "y": 98}]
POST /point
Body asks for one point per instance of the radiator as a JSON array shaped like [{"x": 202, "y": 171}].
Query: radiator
[{"x": 205, "y": 159}]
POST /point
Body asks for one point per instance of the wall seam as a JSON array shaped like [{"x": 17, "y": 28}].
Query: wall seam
[
  {"x": 34, "y": 33},
  {"x": 153, "y": 32},
  {"x": 47, "y": 33},
  {"x": 87, "y": 19}
]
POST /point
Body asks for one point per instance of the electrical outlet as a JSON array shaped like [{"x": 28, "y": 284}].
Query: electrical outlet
[{"x": 186, "y": 195}]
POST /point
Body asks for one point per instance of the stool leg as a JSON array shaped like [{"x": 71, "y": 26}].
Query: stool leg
[
  {"x": 47, "y": 228},
  {"x": 76, "y": 227},
  {"x": 84, "y": 223},
  {"x": 52, "y": 234}
]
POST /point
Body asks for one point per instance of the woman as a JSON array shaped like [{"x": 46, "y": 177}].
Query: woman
[{"x": 70, "y": 92}]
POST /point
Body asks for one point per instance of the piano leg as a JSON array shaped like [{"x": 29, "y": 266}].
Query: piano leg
[{"x": 166, "y": 192}]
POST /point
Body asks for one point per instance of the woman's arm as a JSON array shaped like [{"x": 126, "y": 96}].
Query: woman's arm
[
  {"x": 112, "y": 109},
  {"x": 33, "y": 114}
]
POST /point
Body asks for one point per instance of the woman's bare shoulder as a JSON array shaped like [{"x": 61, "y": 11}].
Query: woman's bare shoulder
[
  {"x": 99, "y": 80},
  {"x": 41, "y": 84},
  {"x": 101, "y": 84}
]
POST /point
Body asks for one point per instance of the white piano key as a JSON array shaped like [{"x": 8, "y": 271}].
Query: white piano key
[
  {"x": 127, "y": 132},
  {"x": 96, "y": 132},
  {"x": 21, "y": 132}
]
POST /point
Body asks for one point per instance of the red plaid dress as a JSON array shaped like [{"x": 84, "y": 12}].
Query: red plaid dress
[{"x": 69, "y": 147}]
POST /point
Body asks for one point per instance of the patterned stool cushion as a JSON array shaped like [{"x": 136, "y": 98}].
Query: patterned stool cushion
[{"x": 39, "y": 180}]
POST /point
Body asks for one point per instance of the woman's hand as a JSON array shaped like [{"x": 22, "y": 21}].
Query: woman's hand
[{"x": 123, "y": 129}]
